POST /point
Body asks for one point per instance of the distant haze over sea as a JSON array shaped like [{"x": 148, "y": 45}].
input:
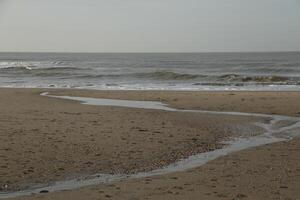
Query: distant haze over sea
[{"x": 152, "y": 71}]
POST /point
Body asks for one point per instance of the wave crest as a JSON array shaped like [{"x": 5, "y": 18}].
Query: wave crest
[
  {"x": 258, "y": 79},
  {"x": 168, "y": 75}
]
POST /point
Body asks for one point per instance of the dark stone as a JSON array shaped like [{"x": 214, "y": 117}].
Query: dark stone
[{"x": 44, "y": 191}]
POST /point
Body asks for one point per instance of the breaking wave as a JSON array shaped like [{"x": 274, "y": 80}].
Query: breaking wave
[
  {"x": 257, "y": 79},
  {"x": 16, "y": 66},
  {"x": 34, "y": 66}
]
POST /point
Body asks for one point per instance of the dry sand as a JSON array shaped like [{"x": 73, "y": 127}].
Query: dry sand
[{"x": 44, "y": 139}]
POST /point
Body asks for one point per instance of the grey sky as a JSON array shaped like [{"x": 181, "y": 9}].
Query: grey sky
[{"x": 149, "y": 25}]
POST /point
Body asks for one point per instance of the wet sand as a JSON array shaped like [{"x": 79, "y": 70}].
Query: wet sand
[
  {"x": 264, "y": 173},
  {"x": 282, "y": 103},
  {"x": 45, "y": 139}
]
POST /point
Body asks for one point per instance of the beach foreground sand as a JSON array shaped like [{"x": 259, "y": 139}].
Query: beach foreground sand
[{"x": 45, "y": 139}]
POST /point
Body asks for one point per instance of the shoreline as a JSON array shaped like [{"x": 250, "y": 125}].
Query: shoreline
[
  {"x": 178, "y": 102},
  {"x": 145, "y": 90}
]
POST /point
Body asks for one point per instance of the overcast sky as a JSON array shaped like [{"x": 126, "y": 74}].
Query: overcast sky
[{"x": 149, "y": 25}]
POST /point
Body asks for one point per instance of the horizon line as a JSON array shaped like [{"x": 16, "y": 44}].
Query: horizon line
[{"x": 149, "y": 52}]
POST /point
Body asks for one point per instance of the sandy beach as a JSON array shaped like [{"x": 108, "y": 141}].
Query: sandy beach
[
  {"x": 149, "y": 100},
  {"x": 45, "y": 139}
]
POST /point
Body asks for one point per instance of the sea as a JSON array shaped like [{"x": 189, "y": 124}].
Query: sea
[{"x": 273, "y": 71}]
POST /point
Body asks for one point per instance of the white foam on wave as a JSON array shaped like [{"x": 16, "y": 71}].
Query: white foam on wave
[{"x": 16, "y": 65}]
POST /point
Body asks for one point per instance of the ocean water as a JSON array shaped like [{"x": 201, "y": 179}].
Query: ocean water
[{"x": 152, "y": 71}]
